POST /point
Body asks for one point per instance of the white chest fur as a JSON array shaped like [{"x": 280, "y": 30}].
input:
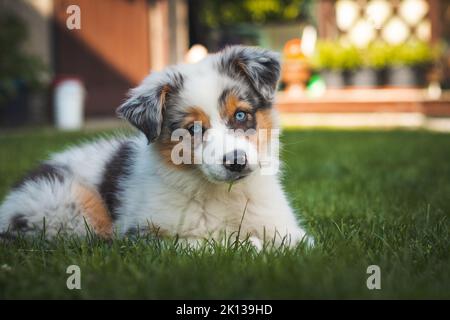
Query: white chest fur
[{"x": 182, "y": 202}]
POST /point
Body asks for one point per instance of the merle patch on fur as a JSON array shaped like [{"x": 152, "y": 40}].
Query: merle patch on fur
[
  {"x": 117, "y": 168},
  {"x": 260, "y": 67},
  {"x": 145, "y": 110},
  {"x": 43, "y": 171}
]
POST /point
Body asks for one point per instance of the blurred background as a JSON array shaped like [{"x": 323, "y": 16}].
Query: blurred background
[{"x": 345, "y": 63}]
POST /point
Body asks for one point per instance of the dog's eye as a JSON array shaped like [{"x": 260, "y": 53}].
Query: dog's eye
[
  {"x": 240, "y": 116},
  {"x": 196, "y": 128}
]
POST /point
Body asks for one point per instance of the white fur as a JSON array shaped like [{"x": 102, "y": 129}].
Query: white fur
[
  {"x": 192, "y": 204},
  {"x": 187, "y": 204},
  {"x": 53, "y": 201}
]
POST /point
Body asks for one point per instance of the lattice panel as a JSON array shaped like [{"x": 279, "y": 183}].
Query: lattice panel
[{"x": 361, "y": 22}]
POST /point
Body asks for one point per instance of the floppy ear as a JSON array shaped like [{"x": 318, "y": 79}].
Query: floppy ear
[
  {"x": 145, "y": 106},
  {"x": 259, "y": 66}
]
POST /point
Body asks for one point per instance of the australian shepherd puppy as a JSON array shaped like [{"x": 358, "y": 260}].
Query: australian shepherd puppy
[{"x": 204, "y": 166}]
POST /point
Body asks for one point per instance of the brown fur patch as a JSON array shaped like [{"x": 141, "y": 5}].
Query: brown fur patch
[
  {"x": 94, "y": 210},
  {"x": 165, "y": 145},
  {"x": 162, "y": 97},
  {"x": 264, "y": 119},
  {"x": 231, "y": 104},
  {"x": 196, "y": 114}
]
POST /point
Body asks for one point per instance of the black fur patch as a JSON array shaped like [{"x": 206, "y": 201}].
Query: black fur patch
[
  {"x": 7, "y": 236},
  {"x": 43, "y": 171},
  {"x": 18, "y": 222},
  {"x": 117, "y": 168}
]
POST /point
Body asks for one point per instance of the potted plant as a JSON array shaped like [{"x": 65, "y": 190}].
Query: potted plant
[
  {"x": 295, "y": 70},
  {"x": 362, "y": 71},
  {"x": 328, "y": 60},
  {"x": 337, "y": 63},
  {"x": 408, "y": 64},
  {"x": 374, "y": 60},
  {"x": 19, "y": 72}
]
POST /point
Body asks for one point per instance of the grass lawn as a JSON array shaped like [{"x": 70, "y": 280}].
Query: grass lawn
[{"x": 369, "y": 198}]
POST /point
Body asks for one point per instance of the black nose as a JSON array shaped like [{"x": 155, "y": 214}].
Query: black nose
[{"x": 235, "y": 161}]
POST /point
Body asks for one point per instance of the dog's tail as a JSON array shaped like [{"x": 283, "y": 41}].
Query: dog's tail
[{"x": 51, "y": 200}]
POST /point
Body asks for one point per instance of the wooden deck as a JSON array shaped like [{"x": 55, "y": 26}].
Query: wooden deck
[{"x": 367, "y": 101}]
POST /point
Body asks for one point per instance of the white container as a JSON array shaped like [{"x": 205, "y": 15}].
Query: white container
[{"x": 68, "y": 102}]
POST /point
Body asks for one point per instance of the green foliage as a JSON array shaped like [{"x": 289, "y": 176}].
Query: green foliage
[
  {"x": 368, "y": 198},
  {"x": 16, "y": 66},
  {"x": 337, "y": 56},
  {"x": 332, "y": 55},
  {"x": 412, "y": 53},
  {"x": 378, "y": 55},
  {"x": 351, "y": 58},
  {"x": 219, "y": 13},
  {"x": 326, "y": 56}
]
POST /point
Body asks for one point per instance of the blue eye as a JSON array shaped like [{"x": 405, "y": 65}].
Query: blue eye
[
  {"x": 240, "y": 116},
  {"x": 196, "y": 128}
]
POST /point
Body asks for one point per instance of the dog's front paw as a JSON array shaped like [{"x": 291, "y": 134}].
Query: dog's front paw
[
  {"x": 309, "y": 241},
  {"x": 298, "y": 235},
  {"x": 257, "y": 243}
]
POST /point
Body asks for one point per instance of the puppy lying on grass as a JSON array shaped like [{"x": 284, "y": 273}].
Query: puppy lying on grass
[{"x": 204, "y": 165}]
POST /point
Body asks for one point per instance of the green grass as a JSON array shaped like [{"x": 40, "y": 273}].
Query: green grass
[{"x": 368, "y": 198}]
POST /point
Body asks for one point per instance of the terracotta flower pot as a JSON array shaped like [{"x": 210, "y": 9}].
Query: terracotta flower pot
[{"x": 295, "y": 74}]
